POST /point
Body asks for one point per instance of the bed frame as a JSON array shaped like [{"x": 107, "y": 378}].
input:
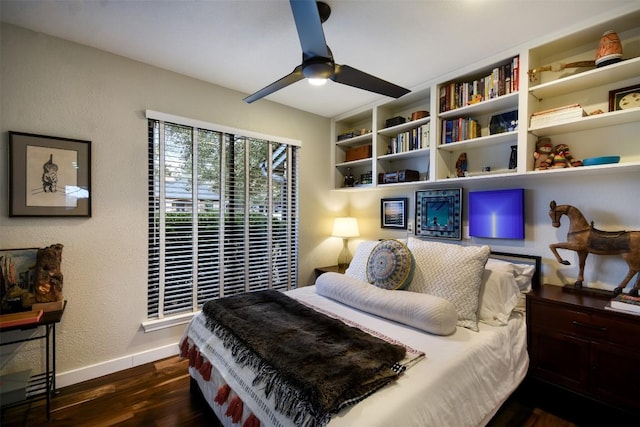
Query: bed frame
[
  {"x": 536, "y": 260},
  {"x": 199, "y": 399}
]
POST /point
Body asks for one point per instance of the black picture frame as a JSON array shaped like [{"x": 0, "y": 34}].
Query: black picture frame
[
  {"x": 49, "y": 176},
  {"x": 438, "y": 213},
  {"x": 394, "y": 212},
  {"x": 617, "y": 95}
]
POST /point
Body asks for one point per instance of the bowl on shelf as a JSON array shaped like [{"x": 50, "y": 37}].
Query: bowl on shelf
[{"x": 603, "y": 160}]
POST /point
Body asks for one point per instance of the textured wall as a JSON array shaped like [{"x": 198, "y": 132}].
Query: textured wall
[{"x": 54, "y": 87}]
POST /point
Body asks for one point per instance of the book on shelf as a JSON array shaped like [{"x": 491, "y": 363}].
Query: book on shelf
[
  {"x": 502, "y": 80},
  {"x": 626, "y": 303},
  {"x": 557, "y": 115},
  {"x": 460, "y": 129},
  {"x": 551, "y": 111},
  {"x": 414, "y": 139}
]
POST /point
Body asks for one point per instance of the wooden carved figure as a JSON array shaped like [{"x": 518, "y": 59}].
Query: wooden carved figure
[
  {"x": 584, "y": 239},
  {"x": 48, "y": 274}
]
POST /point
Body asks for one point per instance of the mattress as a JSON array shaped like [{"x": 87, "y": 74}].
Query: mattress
[{"x": 463, "y": 379}]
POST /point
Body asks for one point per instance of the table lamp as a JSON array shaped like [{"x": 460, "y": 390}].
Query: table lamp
[{"x": 345, "y": 227}]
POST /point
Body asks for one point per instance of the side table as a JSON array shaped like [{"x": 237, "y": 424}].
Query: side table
[
  {"x": 575, "y": 342},
  {"x": 331, "y": 268},
  {"x": 41, "y": 385}
]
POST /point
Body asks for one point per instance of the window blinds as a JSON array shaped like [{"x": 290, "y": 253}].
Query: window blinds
[{"x": 223, "y": 209}]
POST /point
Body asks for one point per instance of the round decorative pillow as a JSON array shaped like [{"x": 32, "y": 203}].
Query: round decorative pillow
[{"x": 390, "y": 265}]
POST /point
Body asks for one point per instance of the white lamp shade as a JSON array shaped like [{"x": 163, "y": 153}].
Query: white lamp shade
[{"x": 345, "y": 227}]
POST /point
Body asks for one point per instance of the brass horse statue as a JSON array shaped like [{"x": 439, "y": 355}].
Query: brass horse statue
[{"x": 584, "y": 239}]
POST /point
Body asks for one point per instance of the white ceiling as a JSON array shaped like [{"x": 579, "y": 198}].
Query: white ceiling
[{"x": 247, "y": 44}]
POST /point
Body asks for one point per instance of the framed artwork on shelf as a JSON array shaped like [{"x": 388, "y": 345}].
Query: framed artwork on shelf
[
  {"x": 49, "y": 176},
  {"x": 438, "y": 213},
  {"x": 624, "y": 98},
  {"x": 394, "y": 212}
]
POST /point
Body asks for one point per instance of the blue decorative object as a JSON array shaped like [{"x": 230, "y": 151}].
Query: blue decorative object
[{"x": 604, "y": 160}]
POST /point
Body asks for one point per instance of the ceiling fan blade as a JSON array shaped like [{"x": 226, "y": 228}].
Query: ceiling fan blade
[
  {"x": 353, "y": 77},
  {"x": 307, "y": 18},
  {"x": 294, "y": 76}
]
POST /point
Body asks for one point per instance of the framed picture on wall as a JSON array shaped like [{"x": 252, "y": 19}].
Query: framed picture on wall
[
  {"x": 49, "y": 176},
  {"x": 393, "y": 212},
  {"x": 438, "y": 213}
]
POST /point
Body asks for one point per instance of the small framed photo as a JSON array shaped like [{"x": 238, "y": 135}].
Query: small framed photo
[
  {"x": 19, "y": 273},
  {"x": 624, "y": 98},
  {"x": 49, "y": 176},
  {"x": 438, "y": 213},
  {"x": 393, "y": 212}
]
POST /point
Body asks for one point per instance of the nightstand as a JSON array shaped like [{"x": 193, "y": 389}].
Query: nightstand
[
  {"x": 576, "y": 343},
  {"x": 331, "y": 268}
]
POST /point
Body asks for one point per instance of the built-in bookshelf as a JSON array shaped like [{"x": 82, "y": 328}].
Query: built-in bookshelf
[{"x": 467, "y": 110}]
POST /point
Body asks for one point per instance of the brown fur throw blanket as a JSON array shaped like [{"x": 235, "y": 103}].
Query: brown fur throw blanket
[{"x": 313, "y": 364}]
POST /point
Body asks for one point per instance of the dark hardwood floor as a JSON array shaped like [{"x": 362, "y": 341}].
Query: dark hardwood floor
[{"x": 158, "y": 394}]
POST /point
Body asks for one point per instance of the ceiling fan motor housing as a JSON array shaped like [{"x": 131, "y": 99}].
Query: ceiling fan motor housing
[{"x": 318, "y": 68}]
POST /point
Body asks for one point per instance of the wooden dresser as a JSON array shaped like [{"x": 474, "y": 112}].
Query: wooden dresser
[{"x": 574, "y": 342}]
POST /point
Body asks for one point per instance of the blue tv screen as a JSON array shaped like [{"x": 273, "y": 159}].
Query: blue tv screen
[{"x": 497, "y": 214}]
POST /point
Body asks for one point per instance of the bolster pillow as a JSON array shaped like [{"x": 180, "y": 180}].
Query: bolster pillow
[{"x": 425, "y": 312}]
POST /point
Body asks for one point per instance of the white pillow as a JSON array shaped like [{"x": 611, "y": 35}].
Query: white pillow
[
  {"x": 523, "y": 273},
  {"x": 358, "y": 266},
  {"x": 499, "y": 295},
  {"x": 425, "y": 312},
  {"x": 452, "y": 272}
]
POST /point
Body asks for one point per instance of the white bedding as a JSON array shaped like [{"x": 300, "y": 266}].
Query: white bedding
[{"x": 462, "y": 381}]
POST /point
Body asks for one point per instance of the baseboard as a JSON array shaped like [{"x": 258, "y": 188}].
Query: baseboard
[{"x": 90, "y": 372}]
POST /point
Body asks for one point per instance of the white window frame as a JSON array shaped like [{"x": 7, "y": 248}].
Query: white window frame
[{"x": 169, "y": 320}]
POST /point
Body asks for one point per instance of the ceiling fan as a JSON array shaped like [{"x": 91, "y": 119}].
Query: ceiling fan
[{"x": 317, "y": 59}]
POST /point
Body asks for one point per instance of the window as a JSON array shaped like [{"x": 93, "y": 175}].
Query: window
[{"x": 223, "y": 209}]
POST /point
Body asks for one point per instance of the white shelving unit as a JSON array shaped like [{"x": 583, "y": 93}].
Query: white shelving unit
[{"x": 603, "y": 134}]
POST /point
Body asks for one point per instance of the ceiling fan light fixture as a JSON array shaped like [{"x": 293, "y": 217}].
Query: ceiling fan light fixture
[{"x": 317, "y": 81}]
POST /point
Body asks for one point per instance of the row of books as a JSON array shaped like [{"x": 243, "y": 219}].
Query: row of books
[
  {"x": 503, "y": 80},
  {"x": 557, "y": 115},
  {"x": 626, "y": 304},
  {"x": 460, "y": 129},
  {"x": 414, "y": 139}
]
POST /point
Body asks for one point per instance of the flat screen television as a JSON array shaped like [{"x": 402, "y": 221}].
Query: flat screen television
[{"x": 497, "y": 214}]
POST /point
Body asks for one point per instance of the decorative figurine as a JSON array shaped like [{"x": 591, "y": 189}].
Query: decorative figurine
[
  {"x": 349, "y": 180},
  {"x": 584, "y": 239},
  {"x": 542, "y": 153},
  {"x": 513, "y": 157},
  {"x": 561, "y": 157},
  {"x": 461, "y": 165}
]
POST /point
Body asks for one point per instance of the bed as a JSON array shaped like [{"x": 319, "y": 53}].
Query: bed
[{"x": 456, "y": 375}]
